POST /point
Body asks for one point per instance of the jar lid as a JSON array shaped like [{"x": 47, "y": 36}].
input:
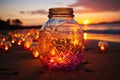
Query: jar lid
[{"x": 61, "y": 11}]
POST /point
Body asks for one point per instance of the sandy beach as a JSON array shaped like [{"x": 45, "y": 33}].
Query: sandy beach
[{"x": 18, "y": 64}]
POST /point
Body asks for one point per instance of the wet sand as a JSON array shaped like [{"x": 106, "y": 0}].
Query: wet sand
[{"x": 18, "y": 64}]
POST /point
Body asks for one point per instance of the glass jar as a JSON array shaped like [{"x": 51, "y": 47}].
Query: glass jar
[{"x": 61, "y": 40}]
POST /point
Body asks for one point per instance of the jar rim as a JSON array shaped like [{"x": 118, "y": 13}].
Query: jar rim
[{"x": 60, "y": 11}]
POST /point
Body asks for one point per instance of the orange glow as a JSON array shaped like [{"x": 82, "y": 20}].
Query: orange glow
[
  {"x": 4, "y": 39},
  {"x": 102, "y": 48},
  {"x": 51, "y": 60},
  {"x": 19, "y": 42},
  {"x": 75, "y": 29},
  {"x": 23, "y": 39},
  {"x": 1, "y": 44},
  {"x": 28, "y": 34},
  {"x": 35, "y": 54},
  {"x": 75, "y": 42},
  {"x": 18, "y": 35},
  {"x": 52, "y": 52},
  {"x": 59, "y": 59},
  {"x": 41, "y": 57},
  {"x": 6, "y": 48},
  {"x": 13, "y": 41},
  {"x": 85, "y": 35},
  {"x": 97, "y": 17},
  {"x": 27, "y": 45},
  {"x": 104, "y": 37},
  {"x": 85, "y": 22}
]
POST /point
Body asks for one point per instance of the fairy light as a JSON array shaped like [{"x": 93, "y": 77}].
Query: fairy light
[
  {"x": 4, "y": 39},
  {"x": 51, "y": 60},
  {"x": 6, "y": 48},
  {"x": 28, "y": 33},
  {"x": 52, "y": 52},
  {"x": 103, "y": 46},
  {"x": 26, "y": 45},
  {"x": 36, "y": 54},
  {"x": 61, "y": 56},
  {"x": 75, "y": 42},
  {"x": 19, "y": 43},
  {"x": 23, "y": 39},
  {"x": 6, "y": 45},
  {"x": 13, "y": 41}
]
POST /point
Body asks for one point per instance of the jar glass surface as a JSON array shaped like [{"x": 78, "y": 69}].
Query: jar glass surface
[{"x": 61, "y": 42}]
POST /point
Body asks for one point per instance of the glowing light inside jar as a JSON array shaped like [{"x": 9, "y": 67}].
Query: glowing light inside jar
[
  {"x": 51, "y": 60},
  {"x": 3, "y": 39},
  {"x": 23, "y": 39},
  {"x": 27, "y": 45},
  {"x": 19, "y": 43},
  {"x": 60, "y": 57},
  {"x": 36, "y": 54},
  {"x": 6, "y": 48},
  {"x": 52, "y": 52},
  {"x": 13, "y": 41},
  {"x": 75, "y": 42},
  {"x": 28, "y": 34}
]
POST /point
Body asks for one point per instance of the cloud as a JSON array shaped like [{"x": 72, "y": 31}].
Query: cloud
[
  {"x": 96, "y": 5},
  {"x": 34, "y": 12}
]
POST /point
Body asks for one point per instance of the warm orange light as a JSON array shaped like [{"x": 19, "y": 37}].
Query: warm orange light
[
  {"x": 52, "y": 52},
  {"x": 59, "y": 59},
  {"x": 75, "y": 29},
  {"x": 102, "y": 48},
  {"x": 85, "y": 35},
  {"x": 4, "y": 39},
  {"x": 85, "y": 21},
  {"x": 41, "y": 57},
  {"x": 13, "y": 41},
  {"x": 28, "y": 34},
  {"x": 6, "y": 48},
  {"x": 28, "y": 46},
  {"x": 1, "y": 44},
  {"x": 18, "y": 35},
  {"x": 19, "y": 42},
  {"x": 51, "y": 60},
  {"x": 75, "y": 42},
  {"x": 36, "y": 54},
  {"x": 23, "y": 39}
]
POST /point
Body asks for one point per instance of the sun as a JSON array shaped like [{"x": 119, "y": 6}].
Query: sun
[{"x": 85, "y": 22}]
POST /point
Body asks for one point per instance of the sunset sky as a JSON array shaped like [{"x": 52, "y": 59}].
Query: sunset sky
[{"x": 34, "y": 12}]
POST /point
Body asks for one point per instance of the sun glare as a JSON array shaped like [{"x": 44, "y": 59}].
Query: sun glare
[{"x": 86, "y": 22}]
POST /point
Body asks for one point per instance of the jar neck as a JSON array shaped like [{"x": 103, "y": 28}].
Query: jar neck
[{"x": 60, "y": 16}]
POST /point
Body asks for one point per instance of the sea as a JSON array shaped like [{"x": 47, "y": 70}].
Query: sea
[{"x": 102, "y": 32}]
